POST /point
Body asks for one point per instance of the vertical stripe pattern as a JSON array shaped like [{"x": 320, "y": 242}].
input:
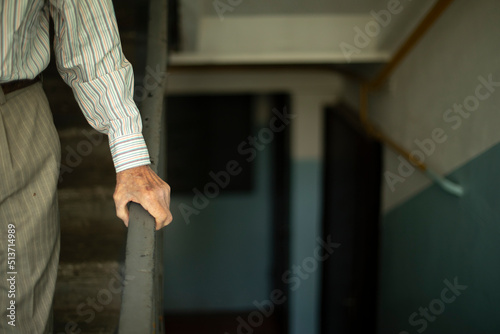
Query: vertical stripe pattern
[
  {"x": 29, "y": 159},
  {"x": 89, "y": 58}
]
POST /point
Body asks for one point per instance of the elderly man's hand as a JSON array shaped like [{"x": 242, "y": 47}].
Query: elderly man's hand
[{"x": 142, "y": 185}]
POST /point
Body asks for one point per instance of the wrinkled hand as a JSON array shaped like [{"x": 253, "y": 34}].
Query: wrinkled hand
[{"x": 142, "y": 185}]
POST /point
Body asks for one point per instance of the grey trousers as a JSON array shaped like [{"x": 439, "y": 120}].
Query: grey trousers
[{"x": 29, "y": 220}]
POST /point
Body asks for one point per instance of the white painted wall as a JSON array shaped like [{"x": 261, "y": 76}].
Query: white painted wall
[
  {"x": 442, "y": 71},
  {"x": 274, "y": 34}
]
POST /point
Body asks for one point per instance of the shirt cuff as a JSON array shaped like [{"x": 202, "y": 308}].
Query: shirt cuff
[{"x": 129, "y": 151}]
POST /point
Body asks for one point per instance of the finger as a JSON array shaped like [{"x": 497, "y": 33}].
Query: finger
[
  {"x": 158, "y": 207},
  {"x": 160, "y": 213},
  {"x": 161, "y": 217},
  {"x": 122, "y": 212},
  {"x": 162, "y": 222}
]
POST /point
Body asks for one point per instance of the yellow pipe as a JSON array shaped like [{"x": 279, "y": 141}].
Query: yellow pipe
[
  {"x": 384, "y": 74},
  {"x": 410, "y": 42}
]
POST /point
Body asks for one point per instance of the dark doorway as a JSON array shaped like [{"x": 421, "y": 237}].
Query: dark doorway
[
  {"x": 351, "y": 216},
  {"x": 204, "y": 132},
  {"x": 281, "y": 213}
]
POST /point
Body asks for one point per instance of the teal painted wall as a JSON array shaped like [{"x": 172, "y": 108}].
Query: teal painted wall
[
  {"x": 435, "y": 237},
  {"x": 221, "y": 260},
  {"x": 305, "y": 228}
]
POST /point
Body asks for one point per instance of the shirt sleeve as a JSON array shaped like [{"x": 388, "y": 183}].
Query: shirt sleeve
[{"x": 90, "y": 60}]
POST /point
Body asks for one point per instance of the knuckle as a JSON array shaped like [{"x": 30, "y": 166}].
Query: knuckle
[{"x": 159, "y": 192}]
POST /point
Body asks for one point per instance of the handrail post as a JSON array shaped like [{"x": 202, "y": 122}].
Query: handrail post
[{"x": 142, "y": 302}]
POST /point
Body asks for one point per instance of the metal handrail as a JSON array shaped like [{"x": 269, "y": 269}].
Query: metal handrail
[
  {"x": 372, "y": 85},
  {"x": 142, "y": 304}
]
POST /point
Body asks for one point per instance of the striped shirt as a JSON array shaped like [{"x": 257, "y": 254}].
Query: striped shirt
[{"x": 89, "y": 58}]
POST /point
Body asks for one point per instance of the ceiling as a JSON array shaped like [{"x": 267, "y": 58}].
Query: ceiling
[
  {"x": 273, "y": 7},
  {"x": 294, "y": 31}
]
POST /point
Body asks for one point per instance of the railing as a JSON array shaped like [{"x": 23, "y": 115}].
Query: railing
[{"x": 142, "y": 301}]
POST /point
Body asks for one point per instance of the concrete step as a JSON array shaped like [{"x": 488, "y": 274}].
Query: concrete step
[
  {"x": 88, "y": 297},
  {"x": 89, "y": 283},
  {"x": 85, "y": 158},
  {"x": 90, "y": 230}
]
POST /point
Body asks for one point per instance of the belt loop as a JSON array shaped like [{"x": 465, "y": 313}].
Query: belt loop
[{"x": 3, "y": 100}]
